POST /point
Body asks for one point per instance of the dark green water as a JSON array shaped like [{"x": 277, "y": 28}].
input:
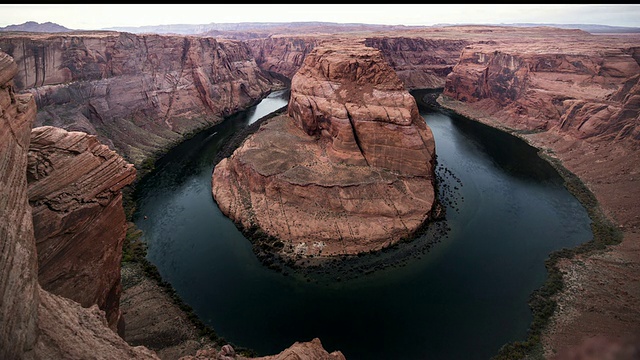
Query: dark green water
[{"x": 464, "y": 298}]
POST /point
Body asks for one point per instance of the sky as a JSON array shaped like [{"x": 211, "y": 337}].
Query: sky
[{"x": 100, "y": 16}]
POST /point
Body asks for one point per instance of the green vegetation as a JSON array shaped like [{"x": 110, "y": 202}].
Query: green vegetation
[
  {"x": 542, "y": 302},
  {"x": 134, "y": 250}
]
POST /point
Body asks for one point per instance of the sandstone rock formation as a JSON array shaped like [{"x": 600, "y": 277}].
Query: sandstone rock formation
[
  {"x": 138, "y": 94},
  {"x": 584, "y": 91},
  {"x": 577, "y": 99},
  {"x": 282, "y": 54},
  {"x": 305, "y": 350},
  {"x": 299, "y": 350},
  {"x": 79, "y": 223},
  {"x": 349, "y": 170},
  {"x": 35, "y": 323},
  {"x": 420, "y": 62},
  {"x": 18, "y": 264}
]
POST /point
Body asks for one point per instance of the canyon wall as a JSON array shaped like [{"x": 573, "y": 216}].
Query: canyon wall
[
  {"x": 350, "y": 169},
  {"x": 420, "y": 62},
  {"x": 583, "y": 90},
  {"x": 140, "y": 94},
  {"x": 282, "y": 54},
  {"x": 577, "y": 99},
  {"x": 35, "y": 323},
  {"x": 74, "y": 189},
  {"x": 18, "y": 263}
]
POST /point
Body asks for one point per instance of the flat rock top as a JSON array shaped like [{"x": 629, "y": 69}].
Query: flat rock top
[{"x": 281, "y": 148}]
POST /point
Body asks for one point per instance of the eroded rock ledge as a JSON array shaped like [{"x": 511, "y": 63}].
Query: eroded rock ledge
[
  {"x": 79, "y": 223},
  {"x": 349, "y": 170},
  {"x": 80, "y": 180}
]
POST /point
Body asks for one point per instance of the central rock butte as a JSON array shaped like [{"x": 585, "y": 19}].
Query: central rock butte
[{"x": 349, "y": 169}]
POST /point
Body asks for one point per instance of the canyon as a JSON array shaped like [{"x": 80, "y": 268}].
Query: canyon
[
  {"x": 571, "y": 94},
  {"x": 349, "y": 169},
  {"x": 140, "y": 95}
]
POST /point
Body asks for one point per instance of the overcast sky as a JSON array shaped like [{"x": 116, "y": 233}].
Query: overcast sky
[{"x": 98, "y": 16}]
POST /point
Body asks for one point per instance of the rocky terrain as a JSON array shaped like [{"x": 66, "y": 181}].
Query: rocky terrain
[
  {"x": 139, "y": 94},
  {"x": 74, "y": 189},
  {"x": 37, "y": 324},
  {"x": 572, "y": 94},
  {"x": 350, "y": 169},
  {"x": 65, "y": 189},
  {"x": 579, "y": 102}
]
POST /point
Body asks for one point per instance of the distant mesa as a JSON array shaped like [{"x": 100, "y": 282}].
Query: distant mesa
[
  {"x": 348, "y": 170},
  {"x": 32, "y": 26}
]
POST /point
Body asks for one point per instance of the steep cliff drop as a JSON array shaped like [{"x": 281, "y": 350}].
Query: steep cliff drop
[
  {"x": 577, "y": 98},
  {"x": 74, "y": 187},
  {"x": 349, "y": 170},
  {"x": 79, "y": 222},
  {"x": 36, "y": 324},
  {"x": 140, "y": 94}
]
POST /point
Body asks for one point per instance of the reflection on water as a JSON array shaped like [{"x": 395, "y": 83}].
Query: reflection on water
[{"x": 467, "y": 295}]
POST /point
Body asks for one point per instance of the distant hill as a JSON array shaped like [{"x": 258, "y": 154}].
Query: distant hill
[
  {"x": 590, "y": 28},
  {"x": 32, "y": 26},
  {"x": 258, "y": 28},
  {"x": 594, "y": 29}
]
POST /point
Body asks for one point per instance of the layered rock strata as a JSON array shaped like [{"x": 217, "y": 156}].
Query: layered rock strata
[
  {"x": 35, "y": 323},
  {"x": 577, "y": 99},
  {"x": 282, "y": 54},
  {"x": 19, "y": 290},
  {"x": 80, "y": 175},
  {"x": 75, "y": 193},
  {"x": 138, "y": 94},
  {"x": 419, "y": 61},
  {"x": 350, "y": 169},
  {"x": 583, "y": 92}
]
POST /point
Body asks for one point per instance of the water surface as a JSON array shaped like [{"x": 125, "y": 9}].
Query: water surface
[{"x": 464, "y": 298}]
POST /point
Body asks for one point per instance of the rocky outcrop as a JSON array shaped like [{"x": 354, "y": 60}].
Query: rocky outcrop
[
  {"x": 35, "y": 323},
  {"x": 299, "y": 350},
  {"x": 79, "y": 223},
  {"x": 349, "y": 170},
  {"x": 585, "y": 91},
  {"x": 138, "y": 94},
  {"x": 349, "y": 95},
  {"x": 305, "y": 350},
  {"x": 576, "y": 99},
  {"x": 282, "y": 54},
  {"x": 420, "y": 62},
  {"x": 18, "y": 264}
]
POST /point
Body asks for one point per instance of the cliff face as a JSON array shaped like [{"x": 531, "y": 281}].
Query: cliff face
[
  {"x": 282, "y": 54},
  {"x": 35, "y": 323},
  {"x": 18, "y": 263},
  {"x": 583, "y": 92},
  {"x": 74, "y": 185},
  {"x": 138, "y": 94},
  {"x": 348, "y": 171},
  {"x": 577, "y": 99},
  {"x": 353, "y": 98},
  {"x": 421, "y": 63}
]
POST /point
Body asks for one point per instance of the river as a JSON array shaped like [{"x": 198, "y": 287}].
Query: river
[{"x": 463, "y": 298}]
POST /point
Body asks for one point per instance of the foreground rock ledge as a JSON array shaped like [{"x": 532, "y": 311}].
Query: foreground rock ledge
[{"x": 350, "y": 169}]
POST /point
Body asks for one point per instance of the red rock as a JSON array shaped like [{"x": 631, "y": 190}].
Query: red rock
[
  {"x": 140, "y": 94},
  {"x": 18, "y": 263},
  {"x": 79, "y": 223},
  {"x": 350, "y": 170},
  {"x": 35, "y": 323}
]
